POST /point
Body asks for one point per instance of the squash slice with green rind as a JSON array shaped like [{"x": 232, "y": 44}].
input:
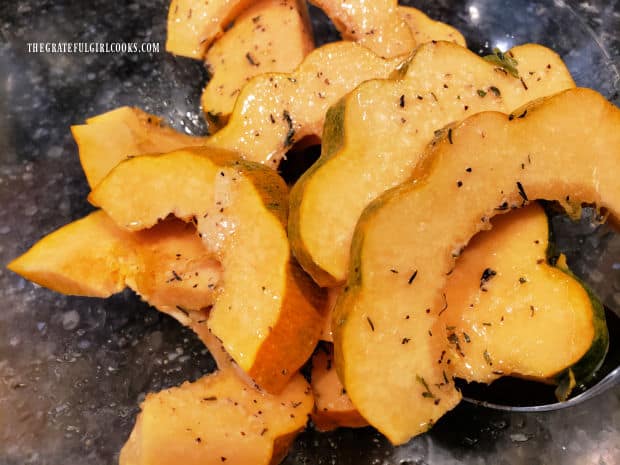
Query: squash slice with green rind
[
  {"x": 218, "y": 419},
  {"x": 511, "y": 313},
  {"x": 268, "y": 313},
  {"x": 375, "y": 136},
  {"x": 271, "y": 36},
  {"x": 565, "y": 148}
]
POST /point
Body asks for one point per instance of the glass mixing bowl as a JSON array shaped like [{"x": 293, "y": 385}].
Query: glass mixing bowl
[{"x": 73, "y": 370}]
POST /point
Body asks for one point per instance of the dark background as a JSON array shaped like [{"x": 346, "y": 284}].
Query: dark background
[{"x": 73, "y": 370}]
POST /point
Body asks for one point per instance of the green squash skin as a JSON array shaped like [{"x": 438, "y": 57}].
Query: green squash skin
[
  {"x": 333, "y": 140},
  {"x": 586, "y": 367}
]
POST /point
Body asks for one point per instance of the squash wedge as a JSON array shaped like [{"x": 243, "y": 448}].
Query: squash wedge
[
  {"x": 270, "y": 36},
  {"x": 332, "y": 407},
  {"x": 425, "y": 29},
  {"x": 375, "y": 136},
  {"x": 166, "y": 265},
  {"x": 107, "y": 139},
  {"x": 511, "y": 313},
  {"x": 376, "y": 24},
  {"x": 273, "y": 111},
  {"x": 565, "y": 147},
  {"x": 266, "y": 313},
  {"x": 193, "y": 25},
  {"x": 218, "y": 419}
]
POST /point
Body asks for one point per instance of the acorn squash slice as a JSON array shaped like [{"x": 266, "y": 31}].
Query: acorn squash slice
[
  {"x": 375, "y": 24},
  {"x": 511, "y": 313},
  {"x": 273, "y": 111},
  {"x": 107, "y": 139},
  {"x": 565, "y": 148},
  {"x": 166, "y": 265},
  {"x": 332, "y": 407},
  {"x": 218, "y": 419},
  {"x": 425, "y": 29},
  {"x": 374, "y": 138},
  {"x": 268, "y": 313},
  {"x": 270, "y": 36},
  {"x": 193, "y": 25}
]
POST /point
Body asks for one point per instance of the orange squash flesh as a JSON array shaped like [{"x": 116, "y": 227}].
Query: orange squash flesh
[
  {"x": 425, "y": 29},
  {"x": 107, "y": 139},
  {"x": 380, "y": 131},
  {"x": 193, "y": 25},
  {"x": 270, "y": 36},
  {"x": 166, "y": 265},
  {"x": 218, "y": 419},
  {"x": 332, "y": 408},
  {"x": 565, "y": 147},
  {"x": 375, "y": 24},
  {"x": 509, "y": 312},
  {"x": 266, "y": 313},
  {"x": 59, "y": 261}
]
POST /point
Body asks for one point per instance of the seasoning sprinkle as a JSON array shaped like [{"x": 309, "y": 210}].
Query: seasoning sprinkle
[
  {"x": 402, "y": 101},
  {"x": 450, "y": 136},
  {"x": 495, "y": 91},
  {"x": 487, "y": 358},
  {"x": 487, "y": 274},
  {"x": 290, "y": 135},
  {"x": 481, "y": 93},
  {"x": 370, "y": 323},
  {"x": 405, "y": 340},
  {"x": 522, "y": 192},
  {"x": 427, "y": 393},
  {"x": 445, "y": 305},
  {"x": 251, "y": 59},
  {"x": 412, "y": 277},
  {"x": 466, "y": 337}
]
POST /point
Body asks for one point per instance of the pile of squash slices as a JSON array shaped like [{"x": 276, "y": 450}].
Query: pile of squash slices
[{"x": 387, "y": 265}]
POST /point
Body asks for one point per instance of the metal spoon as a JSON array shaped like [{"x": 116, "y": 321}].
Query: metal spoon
[{"x": 511, "y": 394}]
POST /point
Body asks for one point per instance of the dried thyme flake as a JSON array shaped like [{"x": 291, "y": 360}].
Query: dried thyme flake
[{"x": 504, "y": 60}]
